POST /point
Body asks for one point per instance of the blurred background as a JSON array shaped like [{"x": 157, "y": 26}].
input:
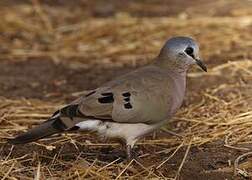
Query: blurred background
[{"x": 52, "y": 50}]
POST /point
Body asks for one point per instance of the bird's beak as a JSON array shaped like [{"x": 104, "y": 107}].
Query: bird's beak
[{"x": 201, "y": 64}]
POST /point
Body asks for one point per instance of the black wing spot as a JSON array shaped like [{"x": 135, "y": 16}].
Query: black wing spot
[
  {"x": 128, "y": 106},
  {"x": 127, "y": 99},
  {"x": 126, "y": 94},
  {"x": 89, "y": 94},
  {"x": 109, "y": 98}
]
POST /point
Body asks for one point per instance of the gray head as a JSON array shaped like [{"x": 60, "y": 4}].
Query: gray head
[{"x": 181, "y": 52}]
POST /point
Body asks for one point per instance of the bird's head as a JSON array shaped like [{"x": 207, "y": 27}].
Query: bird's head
[{"x": 181, "y": 52}]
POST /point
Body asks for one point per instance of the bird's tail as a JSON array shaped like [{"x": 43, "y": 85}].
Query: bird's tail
[
  {"x": 41, "y": 131},
  {"x": 62, "y": 120}
]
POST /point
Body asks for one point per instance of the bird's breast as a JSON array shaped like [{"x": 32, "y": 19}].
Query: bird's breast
[{"x": 178, "y": 93}]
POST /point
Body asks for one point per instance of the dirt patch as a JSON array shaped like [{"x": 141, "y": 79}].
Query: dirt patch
[{"x": 45, "y": 79}]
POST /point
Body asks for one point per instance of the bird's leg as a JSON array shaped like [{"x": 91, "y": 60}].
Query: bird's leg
[
  {"x": 129, "y": 146},
  {"x": 129, "y": 152}
]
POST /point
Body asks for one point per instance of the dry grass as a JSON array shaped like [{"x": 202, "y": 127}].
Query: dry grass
[{"x": 222, "y": 113}]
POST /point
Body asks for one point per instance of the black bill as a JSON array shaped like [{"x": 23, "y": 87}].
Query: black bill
[{"x": 201, "y": 65}]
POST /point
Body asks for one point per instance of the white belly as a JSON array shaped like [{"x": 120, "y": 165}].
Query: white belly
[{"x": 129, "y": 132}]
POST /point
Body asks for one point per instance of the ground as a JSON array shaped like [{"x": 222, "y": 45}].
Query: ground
[{"x": 52, "y": 51}]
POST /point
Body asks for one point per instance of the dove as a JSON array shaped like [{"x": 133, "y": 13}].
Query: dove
[{"x": 130, "y": 106}]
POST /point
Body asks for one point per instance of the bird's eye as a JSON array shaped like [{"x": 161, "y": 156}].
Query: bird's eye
[{"x": 189, "y": 51}]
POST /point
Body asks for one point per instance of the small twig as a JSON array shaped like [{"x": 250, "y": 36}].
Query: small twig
[
  {"x": 172, "y": 133},
  {"x": 7, "y": 157},
  {"x": 176, "y": 150},
  {"x": 236, "y": 148},
  {"x": 109, "y": 164},
  {"x": 37, "y": 176},
  {"x": 233, "y": 147},
  {"x": 89, "y": 168},
  {"x": 119, "y": 175},
  {"x": 184, "y": 158},
  {"x": 236, "y": 162},
  {"x": 7, "y": 174},
  {"x": 147, "y": 169}
]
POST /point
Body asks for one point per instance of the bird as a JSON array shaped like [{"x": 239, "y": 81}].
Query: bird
[{"x": 130, "y": 106}]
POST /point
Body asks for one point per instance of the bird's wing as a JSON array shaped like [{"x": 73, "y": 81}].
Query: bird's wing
[{"x": 143, "y": 96}]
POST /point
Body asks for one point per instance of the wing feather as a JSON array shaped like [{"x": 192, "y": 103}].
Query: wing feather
[{"x": 135, "y": 97}]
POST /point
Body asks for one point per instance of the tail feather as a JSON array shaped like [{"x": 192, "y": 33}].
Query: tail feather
[
  {"x": 62, "y": 120},
  {"x": 44, "y": 130}
]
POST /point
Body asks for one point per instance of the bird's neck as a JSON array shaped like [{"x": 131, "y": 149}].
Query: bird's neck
[{"x": 171, "y": 66}]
